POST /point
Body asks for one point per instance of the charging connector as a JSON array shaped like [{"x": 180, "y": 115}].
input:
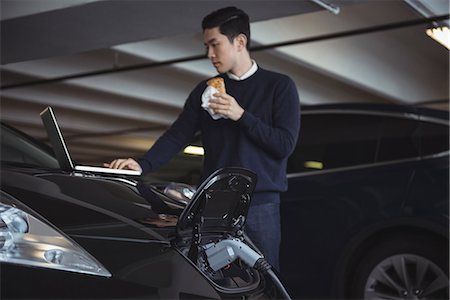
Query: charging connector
[{"x": 226, "y": 251}]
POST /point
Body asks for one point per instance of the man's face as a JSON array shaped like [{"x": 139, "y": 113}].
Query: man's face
[{"x": 220, "y": 50}]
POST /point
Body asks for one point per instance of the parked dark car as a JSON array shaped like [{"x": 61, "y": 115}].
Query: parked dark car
[
  {"x": 366, "y": 215},
  {"x": 67, "y": 234}
]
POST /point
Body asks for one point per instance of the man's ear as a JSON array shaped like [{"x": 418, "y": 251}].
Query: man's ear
[{"x": 241, "y": 41}]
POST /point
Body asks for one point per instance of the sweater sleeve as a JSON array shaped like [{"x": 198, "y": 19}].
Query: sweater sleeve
[
  {"x": 180, "y": 133},
  {"x": 279, "y": 138}
]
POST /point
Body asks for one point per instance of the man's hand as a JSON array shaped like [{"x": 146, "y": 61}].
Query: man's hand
[
  {"x": 227, "y": 106},
  {"x": 124, "y": 163}
]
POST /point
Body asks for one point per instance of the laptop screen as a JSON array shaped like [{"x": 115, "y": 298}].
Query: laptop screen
[
  {"x": 56, "y": 139},
  {"x": 62, "y": 152}
]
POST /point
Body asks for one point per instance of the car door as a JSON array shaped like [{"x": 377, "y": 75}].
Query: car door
[{"x": 338, "y": 186}]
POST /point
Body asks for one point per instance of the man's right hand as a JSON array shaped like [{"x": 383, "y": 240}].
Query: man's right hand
[{"x": 124, "y": 163}]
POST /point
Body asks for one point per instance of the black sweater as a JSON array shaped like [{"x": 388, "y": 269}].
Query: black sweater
[{"x": 261, "y": 140}]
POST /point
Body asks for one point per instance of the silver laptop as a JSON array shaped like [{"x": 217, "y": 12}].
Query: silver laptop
[{"x": 62, "y": 153}]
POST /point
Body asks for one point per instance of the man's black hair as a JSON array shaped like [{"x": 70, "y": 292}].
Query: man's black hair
[{"x": 231, "y": 21}]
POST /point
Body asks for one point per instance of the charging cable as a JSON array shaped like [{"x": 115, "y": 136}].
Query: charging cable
[{"x": 226, "y": 251}]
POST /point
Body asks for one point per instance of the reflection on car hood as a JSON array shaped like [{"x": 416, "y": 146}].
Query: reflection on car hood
[{"x": 86, "y": 205}]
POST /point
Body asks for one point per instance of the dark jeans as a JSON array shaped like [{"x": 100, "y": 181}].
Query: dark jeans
[{"x": 263, "y": 228}]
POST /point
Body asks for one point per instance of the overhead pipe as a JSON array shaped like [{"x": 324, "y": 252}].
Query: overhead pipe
[{"x": 328, "y": 6}]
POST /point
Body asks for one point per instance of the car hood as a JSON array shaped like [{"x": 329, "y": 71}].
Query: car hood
[
  {"x": 83, "y": 204},
  {"x": 116, "y": 207}
]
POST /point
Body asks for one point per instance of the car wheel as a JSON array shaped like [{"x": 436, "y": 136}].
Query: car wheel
[{"x": 403, "y": 268}]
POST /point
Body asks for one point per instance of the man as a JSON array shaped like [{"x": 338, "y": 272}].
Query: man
[{"x": 257, "y": 127}]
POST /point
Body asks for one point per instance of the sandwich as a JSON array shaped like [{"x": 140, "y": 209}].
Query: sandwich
[{"x": 218, "y": 83}]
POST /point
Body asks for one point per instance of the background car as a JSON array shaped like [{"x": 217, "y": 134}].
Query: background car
[
  {"x": 366, "y": 212},
  {"x": 81, "y": 235}
]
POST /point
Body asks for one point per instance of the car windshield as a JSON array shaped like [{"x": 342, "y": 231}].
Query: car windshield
[{"x": 17, "y": 149}]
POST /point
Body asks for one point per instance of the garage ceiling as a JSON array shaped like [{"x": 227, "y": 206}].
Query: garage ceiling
[{"x": 74, "y": 55}]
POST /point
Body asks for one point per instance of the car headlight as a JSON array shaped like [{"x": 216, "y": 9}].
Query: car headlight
[{"x": 27, "y": 239}]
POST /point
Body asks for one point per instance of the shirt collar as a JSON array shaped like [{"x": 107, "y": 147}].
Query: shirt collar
[{"x": 249, "y": 73}]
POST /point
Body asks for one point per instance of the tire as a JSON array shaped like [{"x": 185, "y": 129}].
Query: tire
[{"x": 403, "y": 268}]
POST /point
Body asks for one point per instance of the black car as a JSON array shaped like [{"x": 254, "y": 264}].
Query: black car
[
  {"x": 366, "y": 215},
  {"x": 69, "y": 234}
]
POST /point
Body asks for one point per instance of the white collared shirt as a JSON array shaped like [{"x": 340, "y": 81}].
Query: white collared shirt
[{"x": 247, "y": 74}]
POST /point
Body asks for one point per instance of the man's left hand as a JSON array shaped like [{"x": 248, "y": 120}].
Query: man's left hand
[{"x": 227, "y": 106}]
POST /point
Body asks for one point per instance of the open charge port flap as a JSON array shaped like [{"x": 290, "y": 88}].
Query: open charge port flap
[{"x": 217, "y": 212}]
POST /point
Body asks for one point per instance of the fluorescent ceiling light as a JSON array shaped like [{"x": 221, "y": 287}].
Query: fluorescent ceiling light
[
  {"x": 194, "y": 150},
  {"x": 441, "y": 35}
]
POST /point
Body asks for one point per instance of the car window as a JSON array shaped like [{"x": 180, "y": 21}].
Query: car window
[
  {"x": 185, "y": 167},
  {"x": 400, "y": 139},
  {"x": 434, "y": 138},
  {"x": 16, "y": 149},
  {"x": 329, "y": 141}
]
